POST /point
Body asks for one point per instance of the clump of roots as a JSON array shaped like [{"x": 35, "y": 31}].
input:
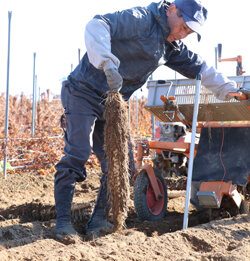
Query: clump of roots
[{"x": 116, "y": 148}]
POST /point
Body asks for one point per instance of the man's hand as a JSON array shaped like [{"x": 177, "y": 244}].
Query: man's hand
[
  {"x": 241, "y": 94},
  {"x": 114, "y": 79},
  {"x": 245, "y": 92}
]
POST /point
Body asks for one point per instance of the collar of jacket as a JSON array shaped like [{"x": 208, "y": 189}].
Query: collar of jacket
[
  {"x": 160, "y": 16},
  {"x": 174, "y": 45}
]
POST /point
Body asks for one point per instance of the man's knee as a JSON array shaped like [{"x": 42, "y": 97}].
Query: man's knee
[{"x": 66, "y": 170}]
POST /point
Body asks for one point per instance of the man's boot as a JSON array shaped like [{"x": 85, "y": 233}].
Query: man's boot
[
  {"x": 63, "y": 199},
  {"x": 98, "y": 219}
]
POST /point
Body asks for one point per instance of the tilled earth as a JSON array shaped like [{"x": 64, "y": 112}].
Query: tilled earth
[{"x": 27, "y": 215}]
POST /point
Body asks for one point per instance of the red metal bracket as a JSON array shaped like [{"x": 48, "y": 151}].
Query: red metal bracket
[{"x": 153, "y": 181}]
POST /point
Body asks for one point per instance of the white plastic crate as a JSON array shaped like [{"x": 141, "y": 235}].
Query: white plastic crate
[{"x": 210, "y": 109}]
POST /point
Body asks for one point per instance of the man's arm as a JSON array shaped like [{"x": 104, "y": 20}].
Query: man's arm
[
  {"x": 98, "y": 44},
  {"x": 182, "y": 60},
  {"x": 190, "y": 65},
  {"x": 128, "y": 24},
  {"x": 102, "y": 29},
  {"x": 218, "y": 83}
]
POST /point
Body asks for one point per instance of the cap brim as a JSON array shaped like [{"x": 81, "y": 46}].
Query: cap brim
[{"x": 194, "y": 26}]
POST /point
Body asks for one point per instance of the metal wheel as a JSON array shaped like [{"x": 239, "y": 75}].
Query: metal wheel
[{"x": 146, "y": 206}]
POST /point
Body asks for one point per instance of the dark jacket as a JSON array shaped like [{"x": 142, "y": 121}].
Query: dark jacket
[{"x": 138, "y": 40}]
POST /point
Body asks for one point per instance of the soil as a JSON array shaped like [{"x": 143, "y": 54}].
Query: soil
[{"x": 27, "y": 216}]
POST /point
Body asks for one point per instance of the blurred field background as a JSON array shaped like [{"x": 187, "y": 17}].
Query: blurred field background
[{"x": 45, "y": 148}]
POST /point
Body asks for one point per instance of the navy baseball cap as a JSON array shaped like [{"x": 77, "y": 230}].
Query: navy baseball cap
[{"x": 194, "y": 14}]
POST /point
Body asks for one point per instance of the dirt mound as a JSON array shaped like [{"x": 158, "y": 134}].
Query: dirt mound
[{"x": 27, "y": 216}]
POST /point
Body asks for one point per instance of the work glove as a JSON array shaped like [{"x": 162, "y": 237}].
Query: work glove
[
  {"x": 114, "y": 79},
  {"x": 245, "y": 96}
]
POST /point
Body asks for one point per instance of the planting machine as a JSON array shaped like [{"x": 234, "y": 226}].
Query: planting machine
[{"x": 221, "y": 144}]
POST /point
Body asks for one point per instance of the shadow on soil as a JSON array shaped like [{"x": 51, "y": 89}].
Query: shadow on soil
[{"x": 41, "y": 219}]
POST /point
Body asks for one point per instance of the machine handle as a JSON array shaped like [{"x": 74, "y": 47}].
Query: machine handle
[{"x": 164, "y": 98}]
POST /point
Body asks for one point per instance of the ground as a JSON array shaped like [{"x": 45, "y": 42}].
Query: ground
[{"x": 27, "y": 215}]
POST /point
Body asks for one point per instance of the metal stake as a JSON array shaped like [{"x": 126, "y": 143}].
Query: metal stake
[
  {"x": 34, "y": 97},
  {"x": 191, "y": 155},
  {"x": 129, "y": 113},
  {"x": 153, "y": 126},
  {"x": 79, "y": 55},
  {"x": 136, "y": 108},
  {"x": 7, "y": 101},
  {"x": 152, "y": 117},
  {"x": 216, "y": 57}
]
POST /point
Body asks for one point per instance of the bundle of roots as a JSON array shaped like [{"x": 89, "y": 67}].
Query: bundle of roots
[{"x": 116, "y": 148}]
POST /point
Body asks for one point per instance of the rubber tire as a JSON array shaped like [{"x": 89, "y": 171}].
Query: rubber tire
[
  {"x": 244, "y": 209},
  {"x": 140, "y": 200}
]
